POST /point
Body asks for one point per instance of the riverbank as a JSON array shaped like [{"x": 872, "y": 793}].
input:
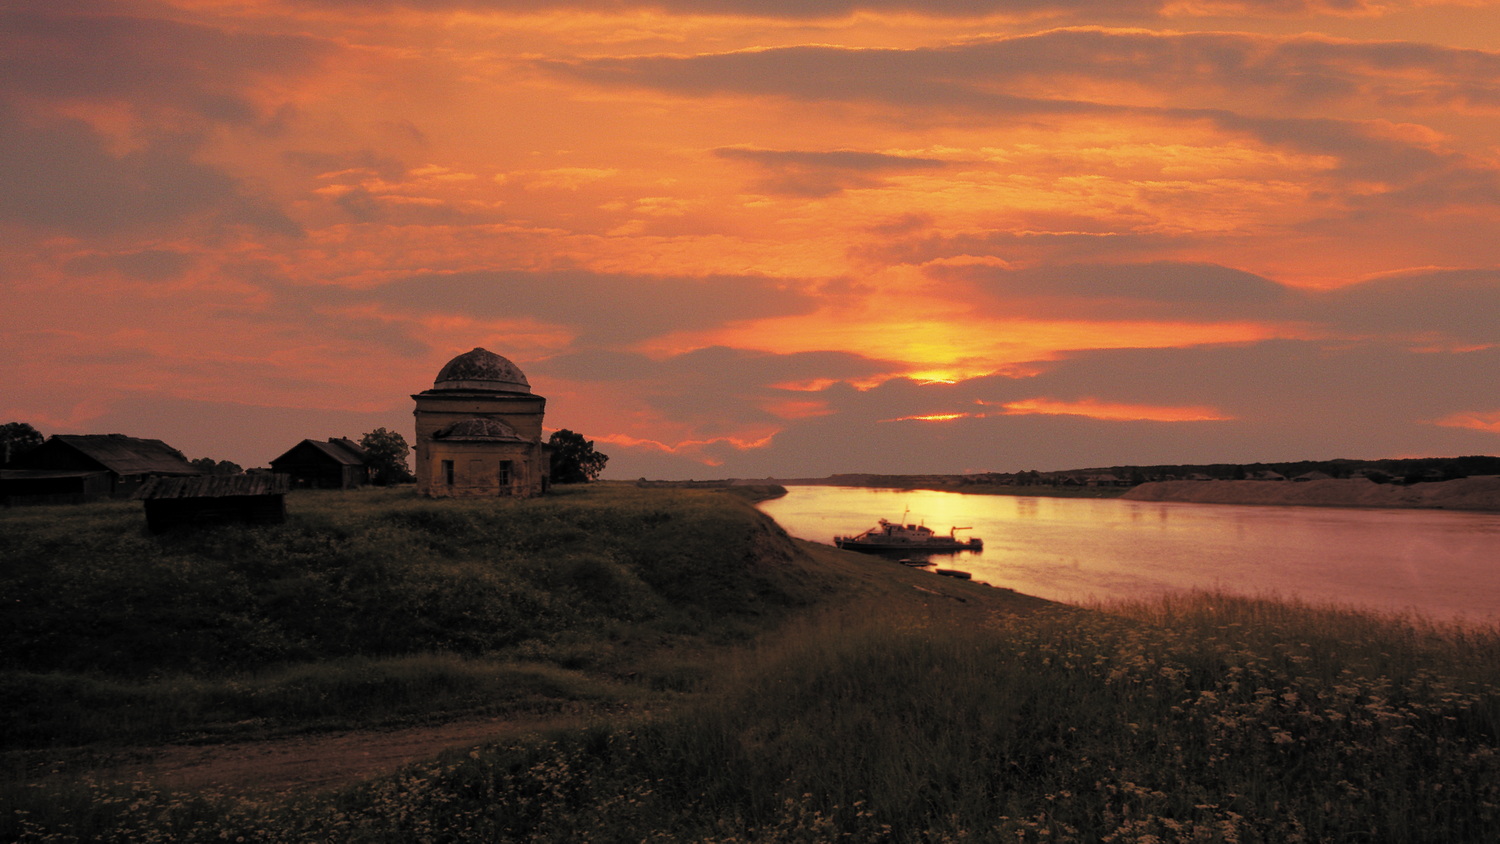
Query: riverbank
[
  {"x": 668, "y": 665},
  {"x": 1478, "y": 493},
  {"x": 964, "y": 484},
  {"x": 375, "y": 627}
]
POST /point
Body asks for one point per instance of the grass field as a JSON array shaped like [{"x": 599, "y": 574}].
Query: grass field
[
  {"x": 762, "y": 690},
  {"x": 371, "y": 606}
]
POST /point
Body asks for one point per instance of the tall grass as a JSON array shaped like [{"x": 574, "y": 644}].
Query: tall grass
[
  {"x": 63, "y": 709},
  {"x": 112, "y": 633},
  {"x": 1194, "y": 718}
]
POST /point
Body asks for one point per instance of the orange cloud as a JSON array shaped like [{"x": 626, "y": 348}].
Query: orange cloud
[
  {"x": 794, "y": 409},
  {"x": 1113, "y": 411},
  {"x": 1475, "y": 420},
  {"x": 940, "y": 347},
  {"x": 813, "y": 385},
  {"x": 690, "y": 447},
  {"x": 931, "y": 417}
]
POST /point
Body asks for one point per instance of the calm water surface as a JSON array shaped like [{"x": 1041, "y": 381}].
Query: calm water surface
[{"x": 1442, "y": 564}]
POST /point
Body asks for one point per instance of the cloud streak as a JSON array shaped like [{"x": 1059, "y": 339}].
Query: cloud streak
[
  {"x": 1142, "y": 68},
  {"x": 956, "y": 9},
  {"x": 814, "y": 174}
]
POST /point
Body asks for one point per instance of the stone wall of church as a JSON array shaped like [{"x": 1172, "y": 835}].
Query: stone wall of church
[
  {"x": 477, "y": 466},
  {"x": 480, "y": 385},
  {"x": 471, "y": 470}
]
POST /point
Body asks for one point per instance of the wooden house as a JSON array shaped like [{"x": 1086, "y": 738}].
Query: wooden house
[
  {"x": 82, "y": 467},
  {"x": 258, "y": 499},
  {"x": 338, "y": 463}
]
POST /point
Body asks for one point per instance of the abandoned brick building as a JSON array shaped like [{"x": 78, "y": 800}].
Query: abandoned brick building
[{"x": 479, "y": 431}]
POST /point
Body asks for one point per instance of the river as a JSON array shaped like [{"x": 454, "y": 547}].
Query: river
[{"x": 1443, "y": 565}]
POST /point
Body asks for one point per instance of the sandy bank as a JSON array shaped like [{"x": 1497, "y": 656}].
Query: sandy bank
[{"x": 1478, "y": 493}]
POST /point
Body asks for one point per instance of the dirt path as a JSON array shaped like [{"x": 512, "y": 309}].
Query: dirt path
[{"x": 309, "y": 763}]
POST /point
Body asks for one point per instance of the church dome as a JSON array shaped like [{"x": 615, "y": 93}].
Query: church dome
[
  {"x": 481, "y": 369},
  {"x": 478, "y": 430}
]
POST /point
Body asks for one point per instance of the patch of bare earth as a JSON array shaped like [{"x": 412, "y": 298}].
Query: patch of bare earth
[{"x": 321, "y": 761}]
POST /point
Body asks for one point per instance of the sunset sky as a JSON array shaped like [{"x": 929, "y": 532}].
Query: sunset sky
[{"x": 740, "y": 238}]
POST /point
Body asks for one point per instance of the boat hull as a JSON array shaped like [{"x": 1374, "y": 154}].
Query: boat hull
[{"x": 852, "y": 544}]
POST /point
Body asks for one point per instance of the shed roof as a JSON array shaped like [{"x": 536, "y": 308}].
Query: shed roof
[
  {"x": 34, "y": 474},
  {"x": 128, "y": 455},
  {"x": 343, "y": 449},
  {"x": 215, "y": 486},
  {"x": 339, "y": 449}
]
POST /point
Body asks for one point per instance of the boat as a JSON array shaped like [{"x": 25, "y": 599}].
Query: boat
[
  {"x": 893, "y": 536},
  {"x": 961, "y": 575}
]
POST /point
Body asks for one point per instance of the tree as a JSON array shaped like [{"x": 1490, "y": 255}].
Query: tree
[
  {"x": 16, "y": 439},
  {"x": 385, "y": 454},
  {"x": 574, "y": 459},
  {"x": 210, "y": 466}
]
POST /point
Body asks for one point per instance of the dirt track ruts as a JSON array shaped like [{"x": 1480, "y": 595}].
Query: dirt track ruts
[{"x": 316, "y": 762}]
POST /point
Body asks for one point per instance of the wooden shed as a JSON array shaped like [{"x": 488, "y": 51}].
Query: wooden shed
[
  {"x": 258, "y": 499},
  {"x": 127, "y": 462},
  {"x": 336, "y": 464},
  {"x": 42, "y": 486}
]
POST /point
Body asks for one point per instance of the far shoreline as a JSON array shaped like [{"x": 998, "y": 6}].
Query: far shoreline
[
  {"x": 938, "y": 484},
  {"x": 1474, "y": 494}
]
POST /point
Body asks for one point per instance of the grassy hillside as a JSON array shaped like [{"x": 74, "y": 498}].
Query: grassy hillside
[
  {"x": 798, "y": 693},
  {"x": 370, "y": 605}
]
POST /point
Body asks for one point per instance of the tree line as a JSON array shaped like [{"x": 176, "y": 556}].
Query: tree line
[{"x": 1408, "y": 470}]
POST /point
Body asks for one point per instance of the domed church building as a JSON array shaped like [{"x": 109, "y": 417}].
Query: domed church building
[{"x": 479, "y": 431}]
